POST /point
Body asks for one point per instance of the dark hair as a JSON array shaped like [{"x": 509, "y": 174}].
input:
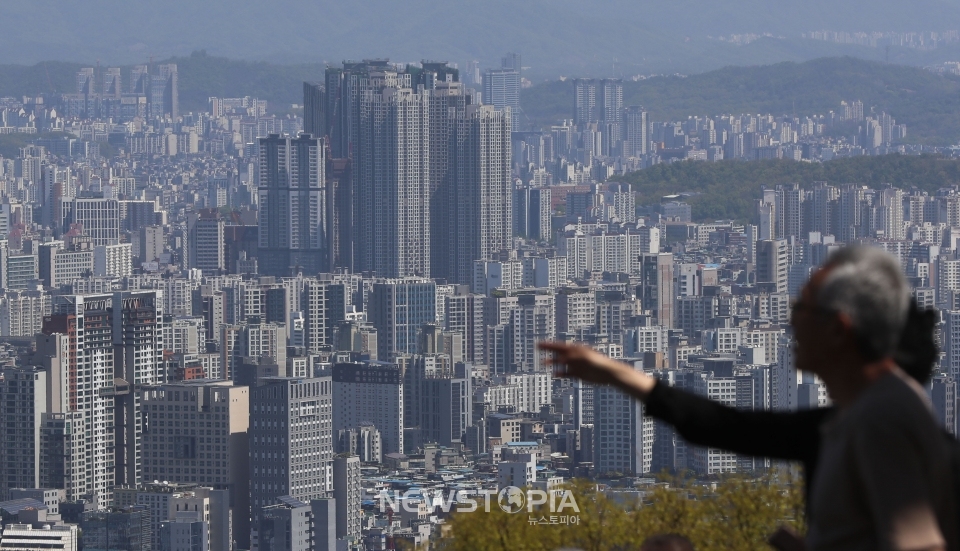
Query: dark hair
[
  {"x": 666, "y": 542},
  {"x": 917, "y": 351}
]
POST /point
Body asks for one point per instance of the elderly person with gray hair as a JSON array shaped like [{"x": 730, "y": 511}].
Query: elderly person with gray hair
[{"x": 883, "y": 476}]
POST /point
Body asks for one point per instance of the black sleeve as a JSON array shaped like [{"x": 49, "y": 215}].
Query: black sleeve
[{"x": 792, "y": 436}]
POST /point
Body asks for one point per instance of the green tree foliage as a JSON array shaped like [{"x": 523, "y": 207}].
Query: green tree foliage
[
  {"x": 738, "y": 515},
  {"x": 927, "y": 103},
  {"x": 729, "y": 189}
]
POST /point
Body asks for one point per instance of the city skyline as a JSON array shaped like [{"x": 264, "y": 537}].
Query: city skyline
[{"x": 233, "y": 329}]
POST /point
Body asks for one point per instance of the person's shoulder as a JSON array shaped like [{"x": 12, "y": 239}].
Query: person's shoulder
[{"x": 893, "y": 402}]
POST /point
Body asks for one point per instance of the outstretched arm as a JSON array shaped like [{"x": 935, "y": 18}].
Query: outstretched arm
[
  {"x": 703, "y": 422},
  {"x": 582, "y": 362}
]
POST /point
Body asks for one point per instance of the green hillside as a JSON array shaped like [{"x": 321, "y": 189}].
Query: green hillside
[
  {"x": 927, "y": 103},
  {"x": 729, "y": 189}
]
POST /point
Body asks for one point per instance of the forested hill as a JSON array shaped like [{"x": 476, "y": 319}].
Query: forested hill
[
  {"x": 729, "y": 189},
  {"x": 927, "y": 103}
]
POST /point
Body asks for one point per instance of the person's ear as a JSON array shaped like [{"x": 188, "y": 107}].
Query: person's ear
[
  {"x": 844, "y": 321},
  {"x": 839, "y": 329},
  {"x": 849, "y": 333}
]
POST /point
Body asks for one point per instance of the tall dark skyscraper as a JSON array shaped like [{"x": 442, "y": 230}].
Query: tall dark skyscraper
[
  {"x": 314, "y": 101},
  {"x": 163, "y": 96},
  {"x": 428, "y": 181},
  {"x": 532, "y": 210},
  {"x": 390, "y": 142},
  {"x": 292, "y": 230},
  {"x": 483, "y": 200},
  {"x": 447, "y": 98}
]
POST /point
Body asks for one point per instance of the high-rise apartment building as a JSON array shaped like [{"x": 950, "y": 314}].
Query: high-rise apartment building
[
  {"x": 292, "y": 230},
  {"x": 21, "y": 312},
  {"x": 532, "y": 211},
  {"x": 323, "y": 304},
  {"x": 206, "y": 247},
  {"x": 482, "y": 192},
  {"x": 501, "y": 89},
  {"x": 598, "y": 108},
  {"x": 789, "y": 211},
  {"x": 636, "y": 142},
  {"x": 85, "y": 371},
  {"x": 623, "y": 435},
  {"x": 313, "y": 109},
  {"x": 163, "y": 96},
  {"x": 23, "y": 394},
  {"x": 98, "y": 218},
  {"x": 113, "y": 260},
  {"x": 448, "y": 102},
  {"x": 137, "y": 331},
  {"x": 347, "y": 492},
  {"x": 398, "y": 309},
  {"x": 463, "y": 313},
  {"x": 391, "y": 176},
  {"x": 656, "y": 292},
  {"x": 773, "y": 264}
]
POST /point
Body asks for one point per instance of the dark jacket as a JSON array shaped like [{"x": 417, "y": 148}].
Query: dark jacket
[{"x": 791, "y": 436}]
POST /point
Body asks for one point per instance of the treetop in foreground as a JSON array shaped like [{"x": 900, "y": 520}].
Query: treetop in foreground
[{"x": 738, "y": 514}]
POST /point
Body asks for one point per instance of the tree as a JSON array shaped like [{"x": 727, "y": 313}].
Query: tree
[{"x": 738, "y": 514}]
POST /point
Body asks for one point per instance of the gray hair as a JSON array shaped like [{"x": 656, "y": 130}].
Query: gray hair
[{"x": 867, "y": 284}]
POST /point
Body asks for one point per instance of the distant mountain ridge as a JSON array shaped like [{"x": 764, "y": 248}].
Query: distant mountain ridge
[
  {"x": 927, "y": 103},
  {"x": 555, "y": 37}
]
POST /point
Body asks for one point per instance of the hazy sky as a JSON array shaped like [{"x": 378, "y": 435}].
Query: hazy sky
[{"x": 552, "y": 35}]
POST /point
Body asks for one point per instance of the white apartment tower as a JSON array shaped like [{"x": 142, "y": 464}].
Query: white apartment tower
[{"x": 87, "y": 375}]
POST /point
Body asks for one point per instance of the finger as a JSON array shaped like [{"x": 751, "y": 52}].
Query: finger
[{"x": 554, "y": 346}]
